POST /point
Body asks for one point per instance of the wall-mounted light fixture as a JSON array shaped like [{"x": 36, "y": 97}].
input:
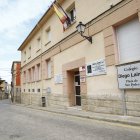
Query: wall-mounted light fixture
[{"x": 81, "y": 29}]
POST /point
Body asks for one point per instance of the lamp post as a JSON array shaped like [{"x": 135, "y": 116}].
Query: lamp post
[{"x": 81, "y": 29}]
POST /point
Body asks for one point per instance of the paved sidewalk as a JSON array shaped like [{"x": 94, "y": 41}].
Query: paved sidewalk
[{"x": 130, "y": 120}]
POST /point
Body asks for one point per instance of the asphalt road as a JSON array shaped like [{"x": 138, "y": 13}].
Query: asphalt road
[{"x": 20, "y": 123}]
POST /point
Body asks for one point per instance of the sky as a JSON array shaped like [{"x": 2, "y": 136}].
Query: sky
[{"x": 17, "y": 19}]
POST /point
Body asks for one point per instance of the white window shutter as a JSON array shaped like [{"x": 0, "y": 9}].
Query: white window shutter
[{"x": 128, "y": 37}]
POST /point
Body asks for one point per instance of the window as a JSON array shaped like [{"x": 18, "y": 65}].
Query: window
[
  {"x": 48, "y": 35},
  {"x": 33, "y": 90},
  {"x": 38, "y": 44},
  {"x": 38, "y": 90},
  {"x": 29, "y": 75},
  {"x": 24, "y": 90},
  {"x": 33, "y": 74},
  {"x": 28, "y": 90},
  {"x": 128, "y": 38},
  {"x": 24, "y": 57},
  {"x": 48, "y": 68},
  {"x": 38, "y": 72},
  {"x": 24, "y": 77},
  {"x": 72, "y": 13},
  {"x": 29, "y": 52}
]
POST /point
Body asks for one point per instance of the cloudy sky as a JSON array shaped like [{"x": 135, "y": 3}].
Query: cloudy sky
[{"x": 17, "y": 19}]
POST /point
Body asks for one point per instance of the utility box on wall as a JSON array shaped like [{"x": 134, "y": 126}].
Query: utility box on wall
[{"x": 43, "y": 101}]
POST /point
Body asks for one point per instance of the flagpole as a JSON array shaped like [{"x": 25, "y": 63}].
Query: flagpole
[
  {"x": 62, "y": 10},
  {"x": 61, "y": 7}
]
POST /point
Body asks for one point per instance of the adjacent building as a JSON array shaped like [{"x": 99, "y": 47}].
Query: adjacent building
[
  {"x": 69, "y": 71},
  {"x": 15, "y": 84},
  {"x": 3, "y": 89}
]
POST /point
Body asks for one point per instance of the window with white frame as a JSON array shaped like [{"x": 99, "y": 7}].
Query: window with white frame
[
  {"x": 48, "y": 68},
  {"x": 48, "y": 35},
  {"x": 38, "y": 72},
  {"x": 128, "y": 39}
]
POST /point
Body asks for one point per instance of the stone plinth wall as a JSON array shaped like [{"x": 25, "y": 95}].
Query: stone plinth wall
[
  {"x": 51, "y": 100},
  {"x": 25, "y": 98},
  {"x": 113, "y": 104},
  {"x": 54, "y": 100},
  {"x": 17, "y": 99},
  {"x": 3, "y": 96},
  {"x": 104, "y": 104},
  {"x": 117, "y": 105},
  {"x": 35, "y": 99},
  {"x": 133, "y": 104}
]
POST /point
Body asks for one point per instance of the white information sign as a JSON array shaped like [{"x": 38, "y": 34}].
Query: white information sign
[
  {"x": 82, "y": 79},
  {"x": 99, "y": 67},
  {"x": 58, "y": 79},
  {"x": 82, "y": 68},
  {"x": 129, "y": 76},
  {"x": 47, "y": 90},
  {"x": 96, "y": 68}
]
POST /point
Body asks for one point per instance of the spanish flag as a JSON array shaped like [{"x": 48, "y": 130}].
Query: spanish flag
[{"x": 65, "y": 20}]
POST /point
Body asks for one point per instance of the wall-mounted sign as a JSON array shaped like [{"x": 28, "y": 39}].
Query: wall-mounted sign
[
  {"x": 47, "y": 90},
  {"x": 129, "y": 76},
  {"x": 82, "y": 79},
  {"x": 76, "y": 84},
  {"x": 58, "y": 79},
  {"x": 96, "y": 68},
  {"x": 82, "y": 68}
]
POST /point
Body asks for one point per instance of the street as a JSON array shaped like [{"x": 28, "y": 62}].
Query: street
[{"x": 21, "y": 123}]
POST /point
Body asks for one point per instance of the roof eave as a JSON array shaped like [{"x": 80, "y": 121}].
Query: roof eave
[{"x": 46, "y": 15}]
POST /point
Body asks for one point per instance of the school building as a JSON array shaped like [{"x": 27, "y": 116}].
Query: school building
[{"x": 95, "y": 68}]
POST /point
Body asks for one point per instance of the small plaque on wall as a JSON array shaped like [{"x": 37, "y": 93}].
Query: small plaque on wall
[
  {"x": 48, "y": 90},
  {"x": 82, "y": 68},
  {"x": 58, "y": 79},
  {"x": 82, "y": 79}
]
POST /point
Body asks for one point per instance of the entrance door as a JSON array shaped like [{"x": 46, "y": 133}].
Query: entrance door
[{"x": 77, "y": 89}]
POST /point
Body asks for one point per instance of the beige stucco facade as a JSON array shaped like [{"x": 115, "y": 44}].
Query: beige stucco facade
[{"x": 67, "y": 52}]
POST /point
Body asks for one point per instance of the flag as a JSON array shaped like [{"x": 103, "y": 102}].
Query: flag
[{"x": 65, "y": 20}]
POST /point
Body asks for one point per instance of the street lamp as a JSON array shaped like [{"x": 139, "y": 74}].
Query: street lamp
[{"x": 81, "y": 29}]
